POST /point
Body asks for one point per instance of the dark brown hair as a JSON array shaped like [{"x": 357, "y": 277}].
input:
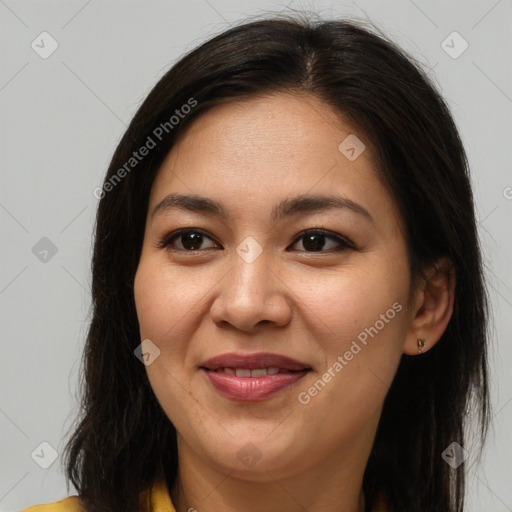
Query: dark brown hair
[{"x": 123, "y": 436}]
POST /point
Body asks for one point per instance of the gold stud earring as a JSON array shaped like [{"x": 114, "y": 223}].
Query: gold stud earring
[{"x": 421, "y": 344}]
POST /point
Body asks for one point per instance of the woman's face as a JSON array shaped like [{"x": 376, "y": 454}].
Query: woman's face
[{"x": 258, "y": 279}]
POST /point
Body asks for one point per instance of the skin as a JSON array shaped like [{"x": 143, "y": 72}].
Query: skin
[{"x": 292, "y": 300}]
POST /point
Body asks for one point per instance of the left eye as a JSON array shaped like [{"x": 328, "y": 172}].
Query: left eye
[{"x": 312, "y": 240}]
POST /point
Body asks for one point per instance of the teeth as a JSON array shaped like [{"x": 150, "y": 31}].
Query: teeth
[
  {"x": 259, "y": 372},
  {"x": 245, "y": 372}
]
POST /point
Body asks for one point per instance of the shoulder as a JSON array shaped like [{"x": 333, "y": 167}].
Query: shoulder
[{"x": 71, "y": 504}]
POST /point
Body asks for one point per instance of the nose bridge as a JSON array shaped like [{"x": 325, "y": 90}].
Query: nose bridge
[
  {"x": 250, "y": 293},
  {"x": 251, "y": 275},
  {"x": 250, "y": 269}
]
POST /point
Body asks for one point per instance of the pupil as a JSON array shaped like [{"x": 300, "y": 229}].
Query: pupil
[
  {"x": 191, "y": 241},
  {"x": 313, "y": 242}
]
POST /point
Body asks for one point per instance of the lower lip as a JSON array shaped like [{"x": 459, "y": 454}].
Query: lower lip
[{"x": 252, "y": 389}]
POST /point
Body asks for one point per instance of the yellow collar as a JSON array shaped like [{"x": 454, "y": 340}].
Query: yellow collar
[{"x": 159, "y": 498}]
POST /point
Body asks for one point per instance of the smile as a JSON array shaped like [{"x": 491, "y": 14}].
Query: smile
[{"x": 255, "y": 385}]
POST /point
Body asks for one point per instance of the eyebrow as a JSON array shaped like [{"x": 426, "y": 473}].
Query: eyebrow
[{"x": 286, "y": 208}]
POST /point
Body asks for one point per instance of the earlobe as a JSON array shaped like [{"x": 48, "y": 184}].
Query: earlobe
[{"x": 433, "y": 308}]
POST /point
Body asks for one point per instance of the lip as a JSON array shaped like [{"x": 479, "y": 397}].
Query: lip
[
  {"x": 253, "y": 361},
  {"x": 252, "y": 389}
]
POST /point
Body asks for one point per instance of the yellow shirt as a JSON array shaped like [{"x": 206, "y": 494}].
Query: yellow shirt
[{"x": 159, "y": 499}]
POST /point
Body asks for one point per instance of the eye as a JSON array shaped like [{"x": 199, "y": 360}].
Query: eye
[
  {"x": 314, "y": 240},
  {"x": 189, "y": 239}
]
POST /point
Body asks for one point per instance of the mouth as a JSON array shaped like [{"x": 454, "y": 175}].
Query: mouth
[
  {"x": 245, "y": 373},
  {"x": 252, "y": 377},
  {"x": 258, "y": 362}
]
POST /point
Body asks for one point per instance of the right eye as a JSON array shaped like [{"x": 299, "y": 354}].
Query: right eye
[{"x": 189, "y": 239}]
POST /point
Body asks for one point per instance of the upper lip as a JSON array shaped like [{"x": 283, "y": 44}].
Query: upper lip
[{"x": 253, "y": 361}]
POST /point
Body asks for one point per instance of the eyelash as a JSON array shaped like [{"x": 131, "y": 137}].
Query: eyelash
[{"x": 166, "y": 240}]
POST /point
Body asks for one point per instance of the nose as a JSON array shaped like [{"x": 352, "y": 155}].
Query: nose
[{"x": 251, "y": 294}]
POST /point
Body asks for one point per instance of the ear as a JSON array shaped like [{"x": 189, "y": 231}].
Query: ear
[{"x": 432, "y": 307}]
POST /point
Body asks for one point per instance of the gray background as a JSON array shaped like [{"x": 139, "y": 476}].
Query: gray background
[{"x": 61, "y": 118}]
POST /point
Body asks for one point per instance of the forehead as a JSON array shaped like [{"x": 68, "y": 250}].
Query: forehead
[
  {"x": 273, "y": 126},
  {"x": 259, "y": 150}
]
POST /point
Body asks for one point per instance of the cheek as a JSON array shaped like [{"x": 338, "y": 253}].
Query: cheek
[
  {"x": 165, "y": 303},
  {"x": 346, "y": 302},
  {"x": 361, "y": 323},
  {"x": 164, "y": 299}
]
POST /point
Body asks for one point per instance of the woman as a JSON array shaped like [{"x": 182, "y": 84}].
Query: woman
[{"x": 289, "y": 308}]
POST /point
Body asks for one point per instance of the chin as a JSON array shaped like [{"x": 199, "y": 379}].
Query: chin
[{"x": 255, "y": 458}]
